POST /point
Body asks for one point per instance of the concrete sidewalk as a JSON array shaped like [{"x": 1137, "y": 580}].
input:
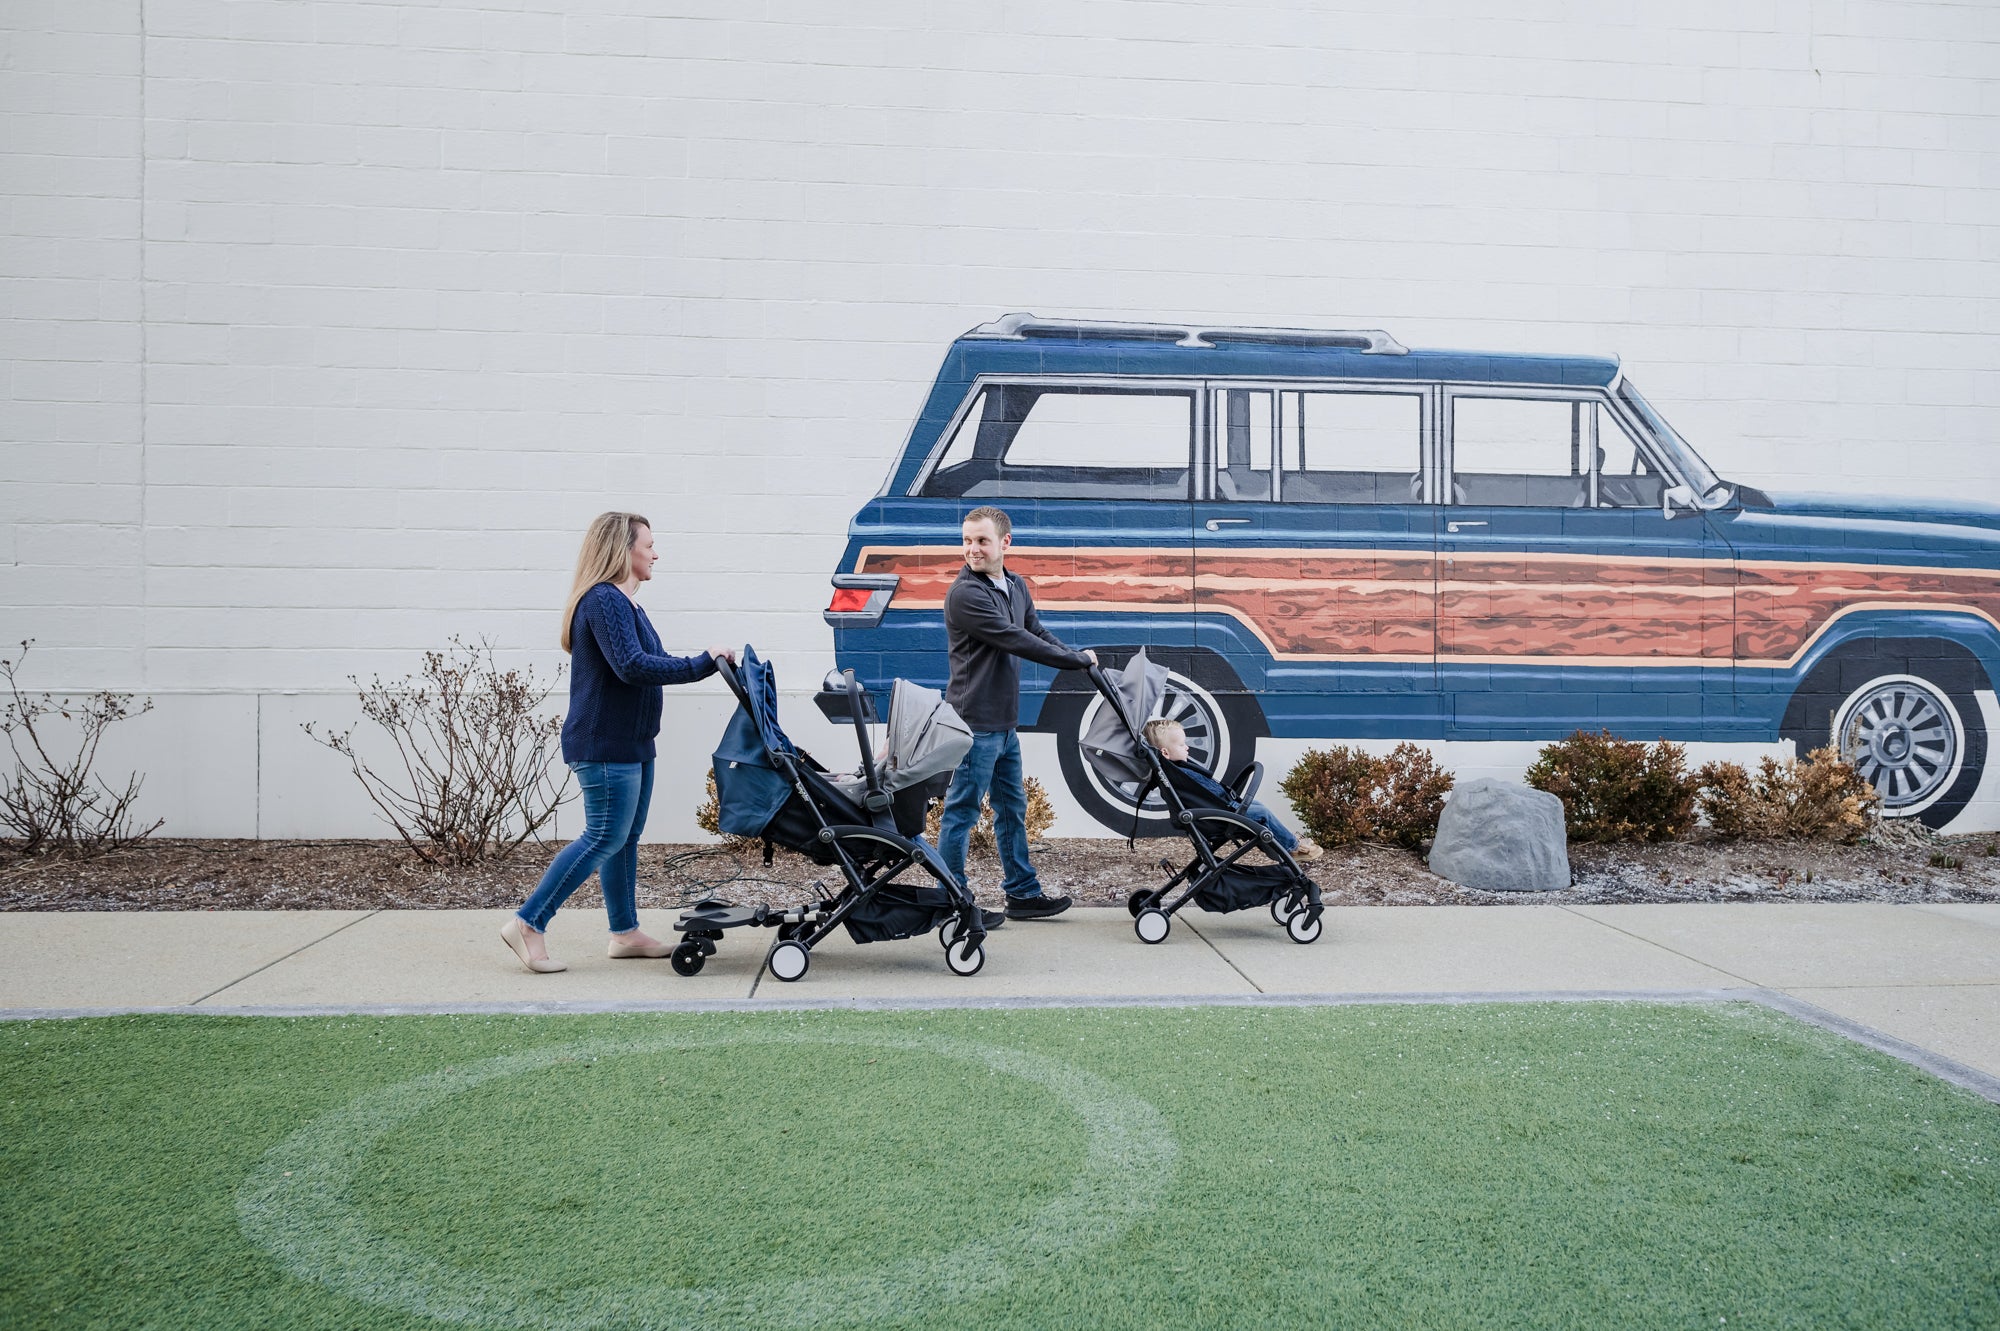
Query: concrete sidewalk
[{"x": 1925, "y": 975}]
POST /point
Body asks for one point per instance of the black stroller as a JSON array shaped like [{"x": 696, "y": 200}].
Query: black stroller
[
  {"x": 870, "y": 825},
  {"x": 1217, "y": 877}
]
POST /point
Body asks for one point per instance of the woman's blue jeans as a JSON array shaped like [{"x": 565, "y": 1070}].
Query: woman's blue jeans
[{"x": 615, "y": 796}]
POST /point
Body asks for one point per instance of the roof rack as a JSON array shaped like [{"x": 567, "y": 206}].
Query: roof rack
[{"x": 1019, "y": 327}]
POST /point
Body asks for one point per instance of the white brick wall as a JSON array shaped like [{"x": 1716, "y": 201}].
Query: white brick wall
[{"x": 423, "y": 286}]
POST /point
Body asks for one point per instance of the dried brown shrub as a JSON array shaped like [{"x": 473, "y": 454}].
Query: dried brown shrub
[
  {"x": 1817, "y": 798},
  {"x": 1041, "y": 816},
  {"x": 1617, "y": 789},
  {"x": 1333, "y": 793},
  {"x": 1409, "y": 796}
]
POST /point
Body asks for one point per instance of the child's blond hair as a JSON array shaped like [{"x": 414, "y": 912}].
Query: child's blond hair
[{"x": 1157, "y": 730}]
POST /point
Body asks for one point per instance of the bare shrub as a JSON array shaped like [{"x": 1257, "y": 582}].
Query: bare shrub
[
  {"x": 474, "y": 751},
  {"x": 1041, "y": 816},
  {"x": 1617, "y": 789},
  {"x": 1333, "y": 793},
  {"x": 53, "y": 801},
  {"x": 1817, "y": 798}
]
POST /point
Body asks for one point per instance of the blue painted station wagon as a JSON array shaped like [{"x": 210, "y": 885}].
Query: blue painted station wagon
[{"x": 1330, "y": 535}]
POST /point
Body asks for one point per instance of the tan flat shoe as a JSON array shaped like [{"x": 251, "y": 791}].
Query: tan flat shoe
[
  {"x": 1309, "y": 849},
  {"x": 653, "y": 948},
  {"x": 515, "y": 935}
]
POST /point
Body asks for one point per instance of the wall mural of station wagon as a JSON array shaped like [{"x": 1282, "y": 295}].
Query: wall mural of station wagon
[{"x": 1330, "y": 535}]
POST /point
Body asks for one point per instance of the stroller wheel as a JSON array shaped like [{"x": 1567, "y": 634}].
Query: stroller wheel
[
  {"x": 1152, "y": 925},
  {"x": 1282, "y": 908},
  {"x": 1303, "y": 926},
  {"x": 965, "y": 958},
  {"x": 687, "y": 959},
  {"x": 1138, "y": 901},
  {"x": 948, "y": 932},
  {"x": 789, "y": 960}
]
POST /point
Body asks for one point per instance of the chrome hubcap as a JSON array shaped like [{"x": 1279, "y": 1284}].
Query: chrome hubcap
[{"x": 1902, "y": 739}]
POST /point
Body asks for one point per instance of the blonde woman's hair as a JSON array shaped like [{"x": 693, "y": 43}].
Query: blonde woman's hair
[
  {"x": 1156, "y": 730},
  {"x": 606, "y": 557}
]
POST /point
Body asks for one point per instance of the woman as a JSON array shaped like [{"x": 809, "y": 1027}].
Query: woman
[{"x": 616, "y": 668}]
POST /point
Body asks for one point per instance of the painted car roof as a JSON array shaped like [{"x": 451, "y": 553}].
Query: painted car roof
[{"x": 1137, "y": 357}]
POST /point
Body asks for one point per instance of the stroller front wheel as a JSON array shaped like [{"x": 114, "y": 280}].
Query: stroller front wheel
[
  {"x": 1303, "y": 926},
  {"x": 1152, "y": 925},
  {"x": 1282, "y": 908},
  {"x": 965, "y": 958},
  {"x": 688, "y": 959},
  {"x": 1138, "y": 901},
  {"x": 788, "y": 960}
]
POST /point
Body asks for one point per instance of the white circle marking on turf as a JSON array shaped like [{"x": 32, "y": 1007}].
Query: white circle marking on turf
[{"x": 295, "y": 1205}]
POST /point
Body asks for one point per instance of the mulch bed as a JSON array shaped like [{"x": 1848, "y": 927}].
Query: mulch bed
[{"x": 1898, "y": 864}]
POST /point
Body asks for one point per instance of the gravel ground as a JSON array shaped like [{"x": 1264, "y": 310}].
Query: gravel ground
[{"x": 1897, "y": 864}]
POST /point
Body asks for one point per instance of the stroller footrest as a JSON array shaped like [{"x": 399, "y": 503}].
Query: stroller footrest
[{"x": 705, "y": 918}]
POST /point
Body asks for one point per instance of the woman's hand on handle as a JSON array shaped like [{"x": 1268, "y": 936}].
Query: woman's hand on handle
[{"x": 723, "y": 654}]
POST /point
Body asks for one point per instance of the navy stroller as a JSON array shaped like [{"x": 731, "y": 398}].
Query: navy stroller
[
  {"x": 1217, "y": 877},
  {"x": 869, "y": 825}
]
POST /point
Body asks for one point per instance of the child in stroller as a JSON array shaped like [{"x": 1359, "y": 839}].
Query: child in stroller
[
  {"x": 868, "y": 825},
  {"x": 1170, "y": 739},
  {"x": 1211, "y": 815}
]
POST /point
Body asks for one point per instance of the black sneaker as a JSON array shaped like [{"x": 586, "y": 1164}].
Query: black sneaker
[
  {"x": 1036, "y": 907},
  {"x": 990, "y": 920}
]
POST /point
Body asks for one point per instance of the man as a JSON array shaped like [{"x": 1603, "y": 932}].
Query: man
[{"x": 990, "y": 619}]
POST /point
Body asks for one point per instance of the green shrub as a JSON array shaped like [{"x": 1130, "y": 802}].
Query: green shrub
[
  {"x": 1343, "y": 795},
  {"x": 1617, "y": 789},
  {"x": 1817, "y": 798}
]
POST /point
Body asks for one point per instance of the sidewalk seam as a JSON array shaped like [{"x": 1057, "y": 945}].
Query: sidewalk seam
[
  {"x": 287, "y": 957},
  {"x": 1225, "y": 956},
  {"x": 1674, "y": 951}
]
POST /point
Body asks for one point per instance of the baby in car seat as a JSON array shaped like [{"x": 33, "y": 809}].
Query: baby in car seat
[{"x": 1171, "y": 740}]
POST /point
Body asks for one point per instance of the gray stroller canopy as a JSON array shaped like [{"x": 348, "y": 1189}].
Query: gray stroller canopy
[
  {"x": 1111, "y": 743},
  {"x": 926, "y": 737}
]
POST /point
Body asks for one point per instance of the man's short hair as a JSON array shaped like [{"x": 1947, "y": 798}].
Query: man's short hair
[
  {"x": 1002, "y": 525},
  {"x": 1157, "y": 729}
]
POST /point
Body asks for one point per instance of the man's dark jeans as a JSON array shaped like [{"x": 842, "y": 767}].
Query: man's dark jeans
[{"x": 992, "y": 770}]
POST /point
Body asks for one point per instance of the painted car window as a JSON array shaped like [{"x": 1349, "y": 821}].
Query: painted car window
[
  {"x": 1328, "y": 447},
  {"x": 1060, "y": 442},
  {"x": 1626, "y": 476},
  {"x": 1352, "y": 448},
  {"x": 1245, "y": 433}
]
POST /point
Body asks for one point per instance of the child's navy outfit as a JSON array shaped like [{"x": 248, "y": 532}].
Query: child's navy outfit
[{"x": 1253, "y": 810}]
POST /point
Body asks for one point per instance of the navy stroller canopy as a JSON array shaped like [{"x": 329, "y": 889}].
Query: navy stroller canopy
[{"x": 750, "y": 785}]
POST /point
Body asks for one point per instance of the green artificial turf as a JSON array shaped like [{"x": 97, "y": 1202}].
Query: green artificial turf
[{"x": 1588, "y": 1165}]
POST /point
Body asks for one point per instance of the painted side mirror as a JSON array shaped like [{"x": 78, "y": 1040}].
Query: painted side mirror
[{"x": 1677, "y": 500}]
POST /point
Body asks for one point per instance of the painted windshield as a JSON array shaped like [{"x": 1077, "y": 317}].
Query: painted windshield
[{"x": 1704, "y": 482}]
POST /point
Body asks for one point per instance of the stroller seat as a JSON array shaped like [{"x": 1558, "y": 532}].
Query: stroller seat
[{"x": 1208, "y": 813}]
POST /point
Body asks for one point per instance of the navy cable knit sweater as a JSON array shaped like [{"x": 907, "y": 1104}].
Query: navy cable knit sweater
[{"x": 616, "y": 668}]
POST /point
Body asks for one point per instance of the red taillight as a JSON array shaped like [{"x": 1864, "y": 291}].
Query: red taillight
[{"x": 849, "y": 600}]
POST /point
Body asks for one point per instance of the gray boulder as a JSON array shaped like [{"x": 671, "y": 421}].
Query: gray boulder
[{"x": 1502, "y": 837}]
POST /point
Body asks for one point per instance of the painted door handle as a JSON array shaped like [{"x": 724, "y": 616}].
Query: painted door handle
[
  {"x": 1454, "y": 526},
  {"x": 1216, "y": 524}
]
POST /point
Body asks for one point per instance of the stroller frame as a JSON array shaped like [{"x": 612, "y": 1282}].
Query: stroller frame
[
  {"x": 1297, "y": 907},
  {"x": 860, "y": 851}
]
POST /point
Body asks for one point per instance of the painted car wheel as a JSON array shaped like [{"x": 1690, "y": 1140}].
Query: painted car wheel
[
  {"x": 1906, "y": 714},
  {"x": 1221, "y": 733},
  {"x": 1905, "y": 739}
]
